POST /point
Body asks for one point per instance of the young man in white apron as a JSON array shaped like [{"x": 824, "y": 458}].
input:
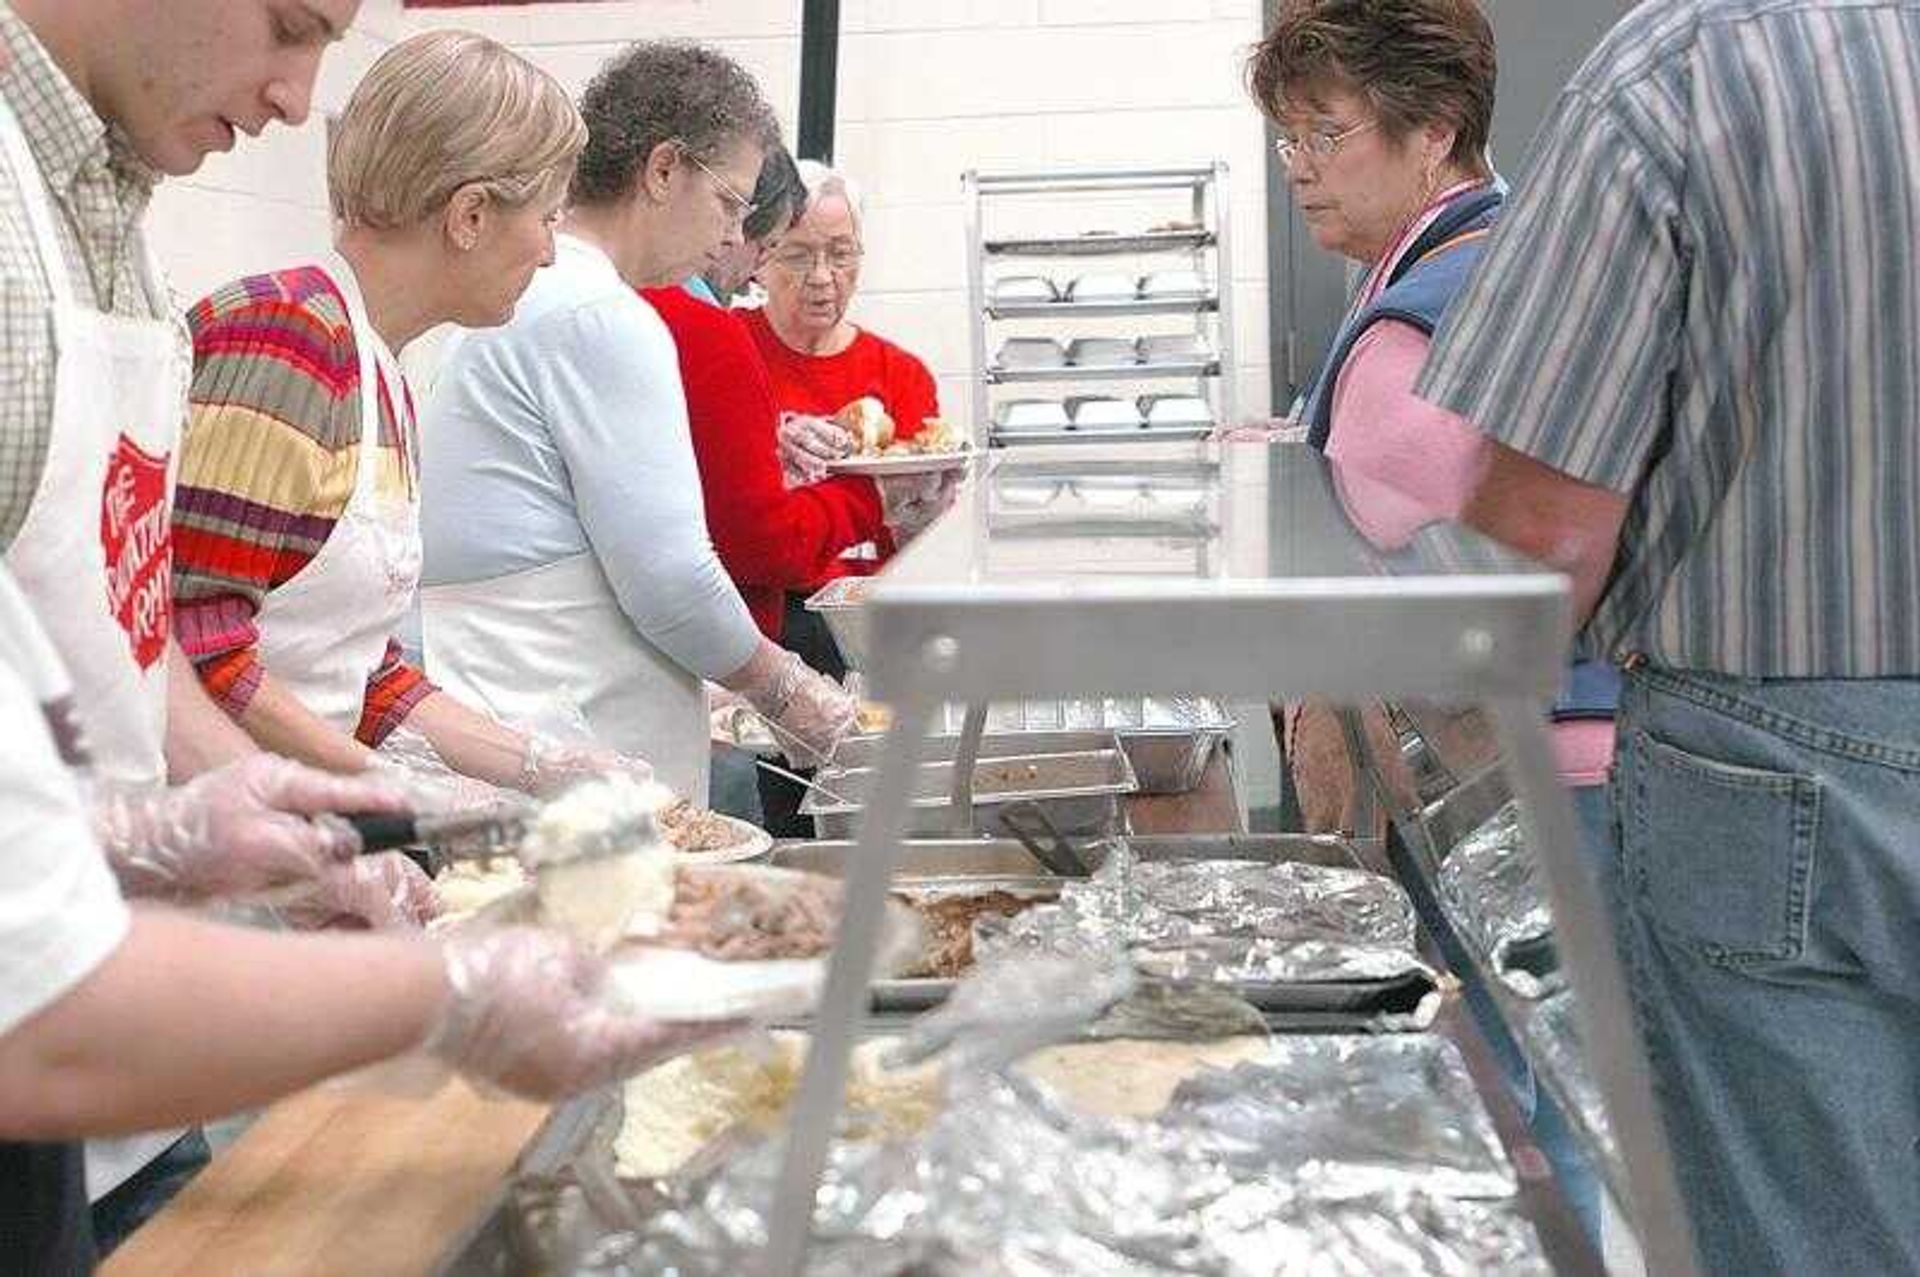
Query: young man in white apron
[{"x": 94, "y": 360}]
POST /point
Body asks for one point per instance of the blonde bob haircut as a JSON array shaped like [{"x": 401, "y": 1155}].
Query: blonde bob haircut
[{"x": 443, "y": 110}]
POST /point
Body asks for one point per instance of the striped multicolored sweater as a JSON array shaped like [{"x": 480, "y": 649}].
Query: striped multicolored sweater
[{"x": 267, "y": 466}]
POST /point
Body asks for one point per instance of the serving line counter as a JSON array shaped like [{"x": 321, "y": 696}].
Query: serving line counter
[
  {"x": 1223, "y": 573},
  {"x": 370, "y": 1177},
  {"x": 1228, "y": 571}
]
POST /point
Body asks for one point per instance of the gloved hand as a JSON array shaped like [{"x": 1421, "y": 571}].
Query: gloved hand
[
  {"x": 548, "y": 766},
  {"x": 813, "y": 710},
  {"x": 909, "y": 502},
  {"x": 237, "y": 831},
  {"x": 553, "y": 766},
  {"x": 382, "y": 892},
  {"x": 807, "y": 444},
  {"x": 528, "y": 1011}
]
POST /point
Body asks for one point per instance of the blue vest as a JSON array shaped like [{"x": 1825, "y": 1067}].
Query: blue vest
[
  {"x": 1430, "y": 274},
  {"x": 1419, "y": 292}
]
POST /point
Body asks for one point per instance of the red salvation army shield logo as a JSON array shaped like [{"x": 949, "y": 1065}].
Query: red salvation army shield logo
[{"x": 136, "y": 531}]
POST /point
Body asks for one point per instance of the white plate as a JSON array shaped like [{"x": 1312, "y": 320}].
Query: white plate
[
  {"x": 753, "y": 843},
  {"x": 684, "y": 986},
  {"x": 904, "y": 463}
]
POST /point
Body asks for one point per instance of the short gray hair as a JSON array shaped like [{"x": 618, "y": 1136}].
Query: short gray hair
[
  {"x": 665, "y": 90},
  {"x": 823, "y": 181}
]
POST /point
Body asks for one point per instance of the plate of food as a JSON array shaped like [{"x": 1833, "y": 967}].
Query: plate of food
[
  {"x": 745, "y": 941},
  {"x": 710, "y": 838},
  {"x": 878, "y": 451}
]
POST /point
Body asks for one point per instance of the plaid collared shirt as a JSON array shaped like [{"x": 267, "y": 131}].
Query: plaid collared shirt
[
  {"x": 1707, "y": 295},
  {"x": 100, "y": 192}
]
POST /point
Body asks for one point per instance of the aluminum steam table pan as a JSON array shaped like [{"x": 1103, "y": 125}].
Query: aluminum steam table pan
[
  {"x": 1016, "y": 416},
  {"x": 1168, "y": 739},
  {"x": 1176, "y": 410},
  {"x": 1406, "y": 1001},
  {"x": 1102, "y": 352},
  {"x": 1078, "y": 792},
  {"x": 1031, "y": 352},
  {"x": 842, "y": 604},
  {"x": 1104, "y": 412},
  {"x": 1103, "y": 286},
  {"x": 1009, "y": 289},
  {"x": 1174, "y": 348}
]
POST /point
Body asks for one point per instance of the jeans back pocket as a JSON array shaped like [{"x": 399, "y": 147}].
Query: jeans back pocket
[{"x": 1719, "y": 855}]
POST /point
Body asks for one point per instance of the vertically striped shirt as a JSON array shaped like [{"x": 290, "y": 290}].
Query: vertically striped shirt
[{"x": 1707, "y": 296}]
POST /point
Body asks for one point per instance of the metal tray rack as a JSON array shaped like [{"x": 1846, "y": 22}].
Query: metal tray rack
[
  {"x": 1284, "y": 599},
  {"x": 1200, "y": 242}
]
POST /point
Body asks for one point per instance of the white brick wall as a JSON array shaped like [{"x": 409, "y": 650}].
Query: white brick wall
[
  {"x": 264, "y": 205},
  {"x": 927, "y": 89}
]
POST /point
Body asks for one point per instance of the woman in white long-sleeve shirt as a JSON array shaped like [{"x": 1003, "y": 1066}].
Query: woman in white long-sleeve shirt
[{"x": 567, "y": 553}]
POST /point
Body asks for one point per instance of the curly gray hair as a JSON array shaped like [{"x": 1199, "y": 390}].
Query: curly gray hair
[{"x": 664, "y": 90}]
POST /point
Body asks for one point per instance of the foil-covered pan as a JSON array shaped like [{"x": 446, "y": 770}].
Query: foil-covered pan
[
  {"x": 1009, "y": 1179},
  {"x": 1407, "y": 999},
  {"x": 1490, "y": 881}
]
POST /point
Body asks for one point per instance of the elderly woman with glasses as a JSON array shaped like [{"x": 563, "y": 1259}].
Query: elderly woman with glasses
[
  {"x": 567, "y": 551},
  {"x": 820, "y": 360},
  {"x": 1383, "y": 109}
]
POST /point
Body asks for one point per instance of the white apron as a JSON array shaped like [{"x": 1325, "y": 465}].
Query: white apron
[
  {"x": 95, "y": 554},
  {"x": 323, "y": 632},
  {"x": 517, "y": 643}
]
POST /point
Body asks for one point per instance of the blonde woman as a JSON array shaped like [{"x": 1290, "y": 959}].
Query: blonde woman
[{"x": 297, "y": 514}]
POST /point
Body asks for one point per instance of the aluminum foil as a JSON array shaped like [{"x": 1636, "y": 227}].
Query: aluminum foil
[
  {"x": 1492, "y": 883},
  {"x": 1349, "y": 1116},
  {"x": 1232, "y": 921},
  {"x": 1553, "y": 1036},
  {"x": 1007, "y": 1182},
  {"x": 1328, "y": 1157}
]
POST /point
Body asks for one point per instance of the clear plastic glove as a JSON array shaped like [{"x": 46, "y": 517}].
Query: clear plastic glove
[
  {"x": 909, "y": 502},
  {"x": 383, "y": 892},
  {"x": 553, "y": 766},
  {"x": 816, "y": 715},
  {"x": 529, "y": 1011},
  {"x": 811, "y": 710},
  {"x": 238, "y": 831},
  {"x": 807, "y": 444}
]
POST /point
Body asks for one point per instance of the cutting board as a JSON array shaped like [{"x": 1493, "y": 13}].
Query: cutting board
[{"x": 351, "y": 1178}]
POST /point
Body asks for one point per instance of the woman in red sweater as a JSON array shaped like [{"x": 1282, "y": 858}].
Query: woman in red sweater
[
  {"x": 771, "y": 538},
  {"x": 818, "y": 359}
]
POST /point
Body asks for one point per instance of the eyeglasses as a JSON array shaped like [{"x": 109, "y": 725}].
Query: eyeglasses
[
  {"x": 740, "y": 207},
  {"x": 799, "y": 261},
  {"x": 1323, "y": 144}
]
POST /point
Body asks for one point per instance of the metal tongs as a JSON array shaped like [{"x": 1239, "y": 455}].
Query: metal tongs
[
  {"x": 489, "y": 832},
  {"x": 483, "y": 833}
]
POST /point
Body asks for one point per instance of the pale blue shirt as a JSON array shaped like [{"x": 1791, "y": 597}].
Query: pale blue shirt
[{"x": 566, "y": 430}]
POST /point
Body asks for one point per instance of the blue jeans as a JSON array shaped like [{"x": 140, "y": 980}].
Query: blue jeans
[{"x": 1769, "y": 834}]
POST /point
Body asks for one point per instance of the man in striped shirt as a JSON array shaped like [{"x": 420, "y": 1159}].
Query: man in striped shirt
[{"x": 1696, "y": 341}]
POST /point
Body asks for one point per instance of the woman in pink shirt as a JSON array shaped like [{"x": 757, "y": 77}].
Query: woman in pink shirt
[{"x": 1383, "y": 112}]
